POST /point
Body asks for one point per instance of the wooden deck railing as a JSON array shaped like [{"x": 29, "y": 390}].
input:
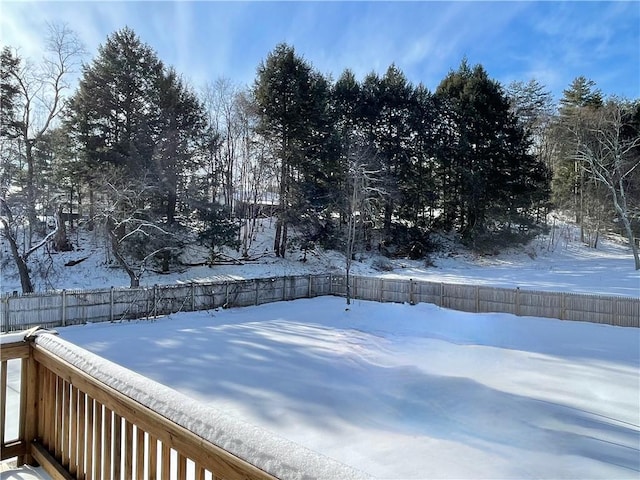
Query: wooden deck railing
[{"x": 77, "y": 426}]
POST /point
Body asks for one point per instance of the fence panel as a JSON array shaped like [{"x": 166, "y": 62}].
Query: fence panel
[
  {"x": 271, "y": 290},
  {"x": 460, "y": 297},
  {"x": 175, "y": 298},
  {"x": 542, "y": 304},
  {"x": 627, "y": 312},
  {"x": 501, "y": 300},
  {"x": 427, "y": 292},
  {"x": 588, "y": 308},
  {"x": 86, "y": 306},
  {"x": 319, "y": 285},
  {"x": 395, "y": 290},
  {"x": 131, "y": 303},
  {"x": 366, "y": 288},
  {"x": 22, "y": 312}
]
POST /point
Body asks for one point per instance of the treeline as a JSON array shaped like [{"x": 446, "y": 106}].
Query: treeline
[{"x": 138, "y": 154}]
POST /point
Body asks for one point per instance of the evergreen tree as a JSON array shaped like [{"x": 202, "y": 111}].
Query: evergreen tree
[
  {"x": 176, "y": 128},
  {"x": 132, "y": 112},
  {"x": 492, "y": 165},
  {"x": 217, "y": 229},
  {"x": 568, "y": 184},
  {"x": 116, "y": 101},
  {"x": 292, "y": 102}
]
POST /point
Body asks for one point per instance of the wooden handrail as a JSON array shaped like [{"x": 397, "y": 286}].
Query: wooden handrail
[
  {"x": 207, "y": 455},
  {"x": 78, "y": 426}
]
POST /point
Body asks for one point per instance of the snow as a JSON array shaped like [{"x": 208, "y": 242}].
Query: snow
[
  {"x": 401, "y": 391},
  {"x": 25, "y": 472},
  {"x": 396, "y": 391},
  {"x": 263, "y": 449},
  {"x": 558, "y": 262}
]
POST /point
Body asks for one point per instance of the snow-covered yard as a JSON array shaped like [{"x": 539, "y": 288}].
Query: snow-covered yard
[{"x": 403, "y": 391}]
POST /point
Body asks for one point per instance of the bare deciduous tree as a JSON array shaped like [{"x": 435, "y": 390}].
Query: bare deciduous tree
[
  {"x": 11, "y": 228},
  {"x": 36, "y": 103},
  {"x": 41, "y": 90},
  {"x": 611, "y": 157},
  {"x": 364, "y": 194},
  {"x": 133, "y": 238}
]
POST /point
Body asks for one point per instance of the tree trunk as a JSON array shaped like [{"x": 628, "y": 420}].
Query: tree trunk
[
  {"x": 172, "y": 200},
  {"x": 60, "y": 241},
  {"x": 92, "y": 209},
  {"x": 23, "y": 269},
  {"x": 31, "y": 190},
  {"x": 276, "y": 241},
  {"x": 632, "y": 243},
  {"x": 134, "y": 280},
  {"x": 21, "y": 264},
  {"x": 283, "y": 240}
]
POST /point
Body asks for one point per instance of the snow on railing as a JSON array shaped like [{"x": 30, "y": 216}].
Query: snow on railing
[{"x": 82, "y": 416}]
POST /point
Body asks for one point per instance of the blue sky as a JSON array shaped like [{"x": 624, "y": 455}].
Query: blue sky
[{"x": 552, "y": 42}]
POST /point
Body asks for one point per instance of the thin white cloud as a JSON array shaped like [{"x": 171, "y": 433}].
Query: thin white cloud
[{"x": 553, "y": 42}]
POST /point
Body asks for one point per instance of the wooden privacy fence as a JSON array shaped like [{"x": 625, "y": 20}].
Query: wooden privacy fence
[
  {"x": 612, "y": 310},
  {"x": 82, "y": 417},
  {"x": 71, "y": 307},
  {"x": 55, "y": 309}
]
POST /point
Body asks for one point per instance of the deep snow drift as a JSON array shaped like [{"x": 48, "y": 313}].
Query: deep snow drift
[{"x": 403, "y": 391}]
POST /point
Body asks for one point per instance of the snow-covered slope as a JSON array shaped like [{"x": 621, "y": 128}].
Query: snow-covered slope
[{"x": 559, "y": 263}]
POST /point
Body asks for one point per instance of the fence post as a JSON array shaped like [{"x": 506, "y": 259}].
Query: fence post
[
  {"x": 330, "y": 284},
  {"x": 111, "y": 313},
  {"x": 563, "y": 307},
  {"x": 155, "y": 299},
  {"x": 381, "y": 295},
  {"x": 284, "y": 288},
  {"x": 193, "y": 297},
  {"x": 5, "y": 311},
  {"x": 518, "y": 301},
  {"x": 441, "y": 294},
  {"x": 411, "y": 301},
  {"x": 64, "y": 308},
  {"x": 257, "y": 291},
  {"x": 477, "y": 299},
  {"x": 226, "y": 294},
  {"x": 309, "y": 288}
]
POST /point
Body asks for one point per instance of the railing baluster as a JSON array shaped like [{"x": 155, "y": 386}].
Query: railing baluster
[
  {"x": 152, "y": 461},
  {"x": 3, "y": 399},
  {"x": 82, "y": 443},
  {"x": 42, "y": 404},
  {"x": 128, "y": 450},
  {"x": 73, "y": 431},
  {"x": 117, "y": 446},
  {"x": 66, "y": 422},
  {"x": 51, "y": 410},
  {"x": 199, "y": 469},
  {"x": 140, "y": 452},
  {"x": 166, "y": 462},
  {"x": 90, "y": 452},
  {"x": 182, "y": 467},
  {"x": 58, "y": 430},
  {"x": 98, "y": 433},
  {"x": 106, "y": 468}
]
